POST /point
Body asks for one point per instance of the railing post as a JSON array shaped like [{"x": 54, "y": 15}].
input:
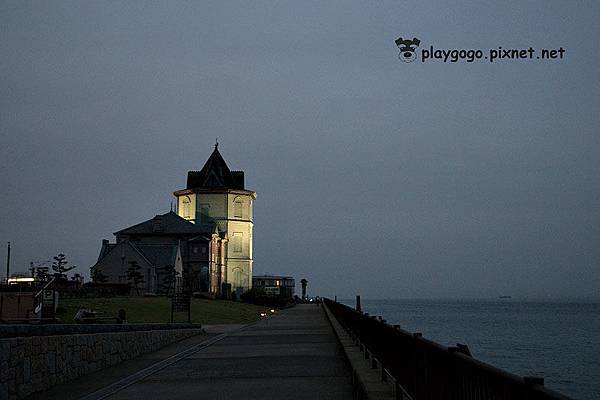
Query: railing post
[{"x": 419, "y": 367}]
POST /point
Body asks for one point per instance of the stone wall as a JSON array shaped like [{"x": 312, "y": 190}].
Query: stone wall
[
  {"x": 33, "y": 364},
  {"x": 21, "y": 330}
]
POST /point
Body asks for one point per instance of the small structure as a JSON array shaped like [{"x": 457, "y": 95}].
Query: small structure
[
  {"x": 17, "y": 306},
  {"x": 274, "y": 285},
  {"x": 28, "y": 301},
  {"x": 304, "y": 282}
]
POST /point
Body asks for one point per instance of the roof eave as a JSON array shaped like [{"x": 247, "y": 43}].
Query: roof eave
[{"x": 184, "y": 192}]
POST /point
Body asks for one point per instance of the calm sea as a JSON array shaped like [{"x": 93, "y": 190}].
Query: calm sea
[{"x": 559, "y": 341}]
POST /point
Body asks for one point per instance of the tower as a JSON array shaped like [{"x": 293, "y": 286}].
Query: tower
[{"x": 216, "y": 196}]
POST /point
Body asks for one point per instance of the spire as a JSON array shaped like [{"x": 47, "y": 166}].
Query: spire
[
  {"x": 216, "y": 143},
  {"x": 215, "y": 174}
]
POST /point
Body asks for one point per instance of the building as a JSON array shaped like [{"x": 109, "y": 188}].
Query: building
[
  {"x": 208, "y": 240},
  {"x": 161, "y": 244},
  {"x": 216, "y": 196},
  {"x": 273, "y": 285}
]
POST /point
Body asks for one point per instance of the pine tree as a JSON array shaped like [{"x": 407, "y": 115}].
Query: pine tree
[
  {"x": 167, "y": 284},
  {"x": 59, "y": 266},
  {"x": 135, "y": 276}
]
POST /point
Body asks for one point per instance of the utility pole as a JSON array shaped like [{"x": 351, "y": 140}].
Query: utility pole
[{"x": 8, "y": 263}]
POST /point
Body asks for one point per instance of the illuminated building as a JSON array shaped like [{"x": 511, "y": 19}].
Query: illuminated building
[
  {"x": 216, "y": 196},
  {"x": 275, "y": 285},
  {"x": 209, "y": 238}
]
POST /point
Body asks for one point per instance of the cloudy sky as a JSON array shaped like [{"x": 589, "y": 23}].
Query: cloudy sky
[{"x": 374, "y": 176}]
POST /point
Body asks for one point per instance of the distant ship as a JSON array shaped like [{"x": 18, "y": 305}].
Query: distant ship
[{"x": 506, "y": 297}]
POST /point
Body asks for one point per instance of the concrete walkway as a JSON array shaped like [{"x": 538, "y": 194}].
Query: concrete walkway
[
  {"x": 291, "y": 355},
  {"x": 84, "y": 385}
]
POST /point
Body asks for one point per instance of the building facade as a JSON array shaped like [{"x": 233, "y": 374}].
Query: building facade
[
  {"x": 215, "y": 196},
  {"x": 161, "y": 244},
  {"x": 275, "y": 285}
]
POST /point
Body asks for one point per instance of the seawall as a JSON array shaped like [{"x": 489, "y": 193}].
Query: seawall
[{"x": 35, "y": 363}]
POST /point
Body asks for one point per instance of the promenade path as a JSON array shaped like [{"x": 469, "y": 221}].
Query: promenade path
[{"x": 293, "y": 354}]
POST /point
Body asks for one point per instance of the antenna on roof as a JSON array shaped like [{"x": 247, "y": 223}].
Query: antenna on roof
[
  {"x": 216, "y": 143},
  {"x": 171, "y": 205}
]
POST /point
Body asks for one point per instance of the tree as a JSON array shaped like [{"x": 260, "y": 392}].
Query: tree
[
  {"x": 59, "y": 266},
  {"x": 98, "y": 276},
  {"x": 135, "y": 276},
  {"x": 167, "y": 283}
]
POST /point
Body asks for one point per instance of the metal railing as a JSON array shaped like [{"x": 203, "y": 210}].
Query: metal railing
[{"x": 425, "y": 370}]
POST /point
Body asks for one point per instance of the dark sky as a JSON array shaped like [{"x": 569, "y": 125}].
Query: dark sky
[{"x": 374, "y": 176}]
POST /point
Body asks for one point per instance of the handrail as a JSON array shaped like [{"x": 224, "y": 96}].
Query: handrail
[
  {"x": 51, "y": 281},
  {"x": 37, "y": 303},
  {"x": 427, "y": 370}
]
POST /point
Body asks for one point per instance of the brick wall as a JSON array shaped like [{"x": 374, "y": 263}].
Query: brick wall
[{"x": 32, "y": 364}]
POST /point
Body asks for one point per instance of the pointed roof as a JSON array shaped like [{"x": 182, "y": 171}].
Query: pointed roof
[
  {"x": 169, "y": 223},
  {"x": 215, "y": 174}
]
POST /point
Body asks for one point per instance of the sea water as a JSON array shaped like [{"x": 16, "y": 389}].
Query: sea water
[{"x": 559, "y": 341}]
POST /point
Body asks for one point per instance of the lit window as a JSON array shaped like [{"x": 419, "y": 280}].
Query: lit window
[{"x": 186, "y": 206}]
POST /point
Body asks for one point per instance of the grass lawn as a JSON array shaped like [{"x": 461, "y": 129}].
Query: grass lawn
[{"x": 158, "y": 309}]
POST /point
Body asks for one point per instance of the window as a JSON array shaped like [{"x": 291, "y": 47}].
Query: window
[
  {"x": 237, "y": 207},
  {"x": 195, "y": 249},
  {"x": 237, "y": 242},
  {"x": 186, "y": 207}
]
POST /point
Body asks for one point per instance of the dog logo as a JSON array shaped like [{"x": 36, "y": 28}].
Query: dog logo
[{"x": 407, "y": 49}]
